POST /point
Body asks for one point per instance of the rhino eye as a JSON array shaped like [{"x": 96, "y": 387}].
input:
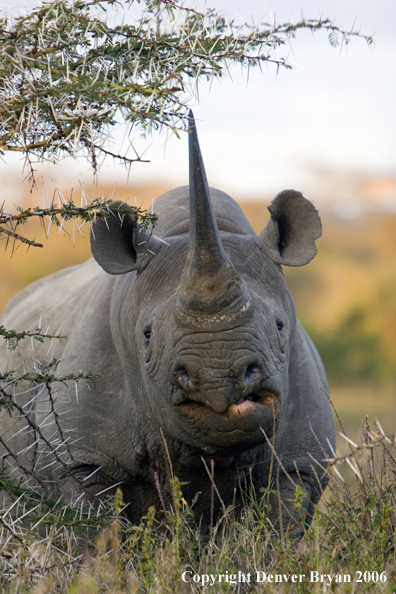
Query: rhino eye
[
  {"x": 147, "y": 334},
  {"x": 279, "y": 325}
]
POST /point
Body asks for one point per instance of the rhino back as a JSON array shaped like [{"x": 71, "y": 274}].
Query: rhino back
[{"x": 172, "y": 209}]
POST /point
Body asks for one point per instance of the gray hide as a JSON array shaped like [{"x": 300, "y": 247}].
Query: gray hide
[{"x": 195, "y": 344}]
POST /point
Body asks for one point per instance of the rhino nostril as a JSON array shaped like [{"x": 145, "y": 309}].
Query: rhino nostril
[
  {"x": 252, "y": 375},
  {"x": 183, "y": 378}
]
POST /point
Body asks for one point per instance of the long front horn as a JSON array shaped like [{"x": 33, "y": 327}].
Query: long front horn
[{"x": 210, "y": 282}]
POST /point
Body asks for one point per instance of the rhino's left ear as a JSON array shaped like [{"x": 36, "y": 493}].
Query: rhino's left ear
[
  {"x": 289, "y": 237},
  {"x": 119, "y": 245}
]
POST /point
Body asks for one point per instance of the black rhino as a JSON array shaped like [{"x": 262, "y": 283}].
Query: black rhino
[{"x": 198, "y": 355}]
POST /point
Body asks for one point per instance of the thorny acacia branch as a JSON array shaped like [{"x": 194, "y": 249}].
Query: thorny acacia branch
[
  {"x": 42, "y": 375},
  {"x": 41, "y": 378},
  {"x": 67, "y": 76},
  {"x": 13, "y": 338},
  {"x": 66, "y": 210}
]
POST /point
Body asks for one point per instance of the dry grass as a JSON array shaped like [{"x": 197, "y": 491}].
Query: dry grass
[{"x": 48, "y": 549}]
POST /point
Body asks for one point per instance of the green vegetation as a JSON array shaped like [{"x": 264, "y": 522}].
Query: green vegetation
[
  {"x": 46, "y": 547},
  {"x": 351, "y": 353},
  {"x": 345, "y": 299}
]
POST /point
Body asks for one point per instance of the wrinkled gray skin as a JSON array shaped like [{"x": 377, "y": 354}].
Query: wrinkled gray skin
[{"x": 195, "y": 343}]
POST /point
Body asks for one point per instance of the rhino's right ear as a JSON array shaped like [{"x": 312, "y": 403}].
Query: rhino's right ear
[
  {"x": 119, "y": 245},
  {"x": 289, "y": 238}
]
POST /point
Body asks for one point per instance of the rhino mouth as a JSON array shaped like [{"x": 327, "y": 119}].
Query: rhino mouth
[{"x": 250, "y": 413}]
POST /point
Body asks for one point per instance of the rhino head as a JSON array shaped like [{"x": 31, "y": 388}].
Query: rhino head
[{"x": 204, "y": 330}]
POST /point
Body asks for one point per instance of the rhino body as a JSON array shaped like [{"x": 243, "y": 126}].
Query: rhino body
[{"x": 201, "y": 364}]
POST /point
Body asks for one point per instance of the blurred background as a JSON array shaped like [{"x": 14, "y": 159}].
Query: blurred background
[{"x": 326, "y": 128}]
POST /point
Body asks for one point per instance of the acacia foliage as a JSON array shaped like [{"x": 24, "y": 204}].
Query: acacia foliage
[
  {"x": 67, "y": 75},
  {"x": 71, "y": 69}
]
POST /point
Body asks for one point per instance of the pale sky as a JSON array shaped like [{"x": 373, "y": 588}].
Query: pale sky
[{"x": 334, "y": 110}]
